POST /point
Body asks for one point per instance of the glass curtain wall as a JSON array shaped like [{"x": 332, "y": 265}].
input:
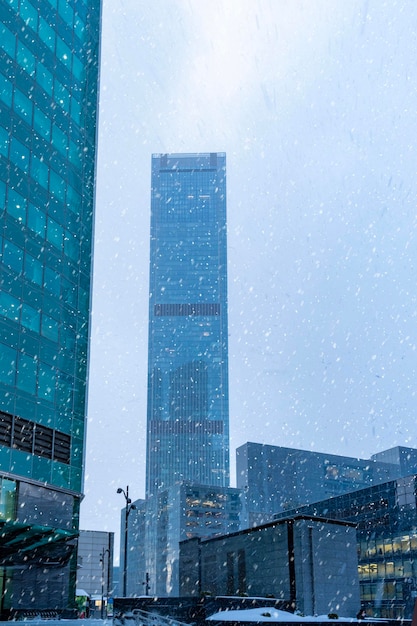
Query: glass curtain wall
[{"x": 49, "y": 61}]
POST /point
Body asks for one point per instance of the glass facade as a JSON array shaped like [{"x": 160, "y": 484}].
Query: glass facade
[
  {"x": 188, "y": 412},
  {"x": 49, "y": 63},
  {"x": 181, "y": 512},
  {"x": 386, "y": 518},
  {"x": 275, "y": 478}
]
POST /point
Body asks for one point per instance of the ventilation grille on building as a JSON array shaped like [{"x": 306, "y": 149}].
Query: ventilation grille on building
[
  {"x": 198, "y": 308},
  {"x": 33, "y": 438},
  {"x": 186, "y": 427}
]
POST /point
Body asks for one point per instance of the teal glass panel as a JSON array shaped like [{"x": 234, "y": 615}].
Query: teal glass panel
[
  {"x": 83, "y": 298},
  {"x": 42, "y": 469},
  {"x": 13, "y": 256},
  {"x": 79, "y": 28},
  {"x": 16, "y": 206},
  {"x": 56, "y": 182},
  {"x": 49, "y": 328},
  {"x": 69, "y": 292},
  {"x": 54, "y": 233},
  {"x": 77, "y": 451},
  {"x": 46, "y": 415},
  {"x": 7, "y": 41},
  {"x": 62, "y": 96},
  {"x": 6, "y": 90},
  {"x": 73, "y": 199},
  {"x": 64, "y": 54},
  {"x": 19, "y": 154},
  {"x": 36, "y": 220},
  {"x": 6, "y": 399},
  {"x": 29, "y": 343},
  {"x": 61, "y": 475},
  {"x": 39, "y": 171},
  {"x": 29, "y": 14},
  {"x": 77, "y": 66},
  {"x": 23, "y": 106},
  {"x": 2, "y": 195},
  {"x": 4, "y": 141},
  {"x": 48, "y": 352},
  {"x": 71, "y": 246},
  {"x": 25, "y": 405},
  {"x": 66, "y": 11},
  {"x": 33, "y": 269},
  {"x": 46, "y": 33},
  {"x": 7, "y": 364},
  {"x": 42, "y": 123},
  {"x": 46, "y": 381},
  {"x": 26, "y": 59},
  {"x": 21, "y": 463},
  {"x": 76, "y": 477},
  {"x": 78, "y": 428},
  {"x": 45, "y": 79},
  {"x": 26, "y": 373},
  {"x": 51, "y": 281},
  {"x": 9, "y": 306},
  {"x": 74, "y": 152},
  {"x": 8, "y": 498},
  {"x": 64, "y": 392},
  {"x": 30, "y": 317}
]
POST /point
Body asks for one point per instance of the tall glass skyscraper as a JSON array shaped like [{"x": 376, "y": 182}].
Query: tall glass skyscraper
[
  {"x": 188, "y": 403},
  {"x": 49, "y": 61}
]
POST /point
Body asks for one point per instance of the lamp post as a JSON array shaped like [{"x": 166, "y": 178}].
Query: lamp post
[
  {"x": 128, "y": 508},
  {"x": 102, "y": 555}
]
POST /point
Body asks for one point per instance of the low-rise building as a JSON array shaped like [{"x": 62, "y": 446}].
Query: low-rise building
[
  {"x": 386, "y": 518},
  {"x": 95, "y": 567},
  {"x": 309, "y": 563}
]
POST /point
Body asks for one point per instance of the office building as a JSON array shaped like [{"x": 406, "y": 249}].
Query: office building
[
  {"x": 49, "y": 61},
  {"x": 95, "y": 569},
  {"x": 386, "y": 518},
  {"x": 157, "y": 525},
  {"x": 188, "y": 404},
  {"x": 404, "y": 458},
  {"x": 180, "y": 512},
  {"x": 275, "y": 478},
  {"x": 187, "y": 465},
  {"x": 309, "y": 564}
]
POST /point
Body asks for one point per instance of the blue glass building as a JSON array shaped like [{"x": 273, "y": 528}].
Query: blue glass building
[
  {"x": 275, "y": 478},
  {"x": 49, "y": 61},
  {"x": 188, "y": 405}
]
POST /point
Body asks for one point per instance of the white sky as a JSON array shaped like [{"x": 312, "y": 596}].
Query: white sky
[{"x": 315, "y": 104}]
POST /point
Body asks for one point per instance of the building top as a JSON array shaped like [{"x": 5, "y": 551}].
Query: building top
[
  {"x": 299, "y": 517},
  {"x": 186, "y": 155}
]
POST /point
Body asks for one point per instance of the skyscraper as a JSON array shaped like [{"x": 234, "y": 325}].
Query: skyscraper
[
  {"x": 188, "y": 412},
  {"x": 49, "y": 57}
]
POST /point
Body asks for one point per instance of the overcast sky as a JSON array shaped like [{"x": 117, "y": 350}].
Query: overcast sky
[{"x": 314, "y": 103}]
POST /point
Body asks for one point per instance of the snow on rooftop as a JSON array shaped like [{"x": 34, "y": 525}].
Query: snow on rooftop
[{"x": 270, "y": 614}]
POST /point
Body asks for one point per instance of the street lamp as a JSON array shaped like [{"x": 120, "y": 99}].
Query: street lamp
[
  {"x": 128, "y": 508},
  {"x": 102, "y": 555}
]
